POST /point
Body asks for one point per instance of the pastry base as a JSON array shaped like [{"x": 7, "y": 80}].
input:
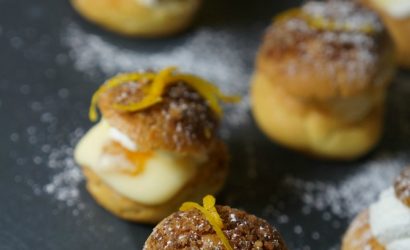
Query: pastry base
[
  {"x": 130, "y": 18},
  {"x": 310, "y": 129},
  {"x": 359, "y": 236},
  {"x": 208, "y": 180}
]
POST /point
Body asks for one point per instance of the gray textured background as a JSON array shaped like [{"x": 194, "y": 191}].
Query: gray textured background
[{"x": 44, "y": 99}]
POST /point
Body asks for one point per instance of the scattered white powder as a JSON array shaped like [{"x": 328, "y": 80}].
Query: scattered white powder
[
  {"x": 64, "y": 184},
  {"x": 210, "y": 53},
  {"x": 344, "y": 14},
  {"x": 352, "y": 194}
]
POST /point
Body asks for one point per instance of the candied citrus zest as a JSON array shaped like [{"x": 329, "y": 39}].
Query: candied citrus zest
[
  {"x": 145, "y": 103},
  {"x": 154, "y": 90},
  {"x": 207, "y": 90},
  {"x": 114, "y": 82},
  {"x": 153, "y": 95},
  {"x": 211, "y": 215},
  {"x": 138, "y": 159},
  {"x": 321, "y": 23}
]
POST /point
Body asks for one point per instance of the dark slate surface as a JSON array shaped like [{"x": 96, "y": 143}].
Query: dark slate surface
[{"x": 42, "y": 102}]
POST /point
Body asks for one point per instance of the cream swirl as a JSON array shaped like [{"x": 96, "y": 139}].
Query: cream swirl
[{"x": 390, "y": 221}]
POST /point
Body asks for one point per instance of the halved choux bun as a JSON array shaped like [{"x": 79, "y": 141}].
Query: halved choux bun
[
  {"x": 310, "y": 128},
  {"x": 359, "y": 235},
  {"x": 144, "y": 18},
  {"x": 156, "y": 144},
  {"x": 209, "y": 179},
  {"x": 192, "y": 229},
  {"x": 181, "y": 122},
  {"x": 321, "y": 79},
  {"x": 398, "y": 26}
]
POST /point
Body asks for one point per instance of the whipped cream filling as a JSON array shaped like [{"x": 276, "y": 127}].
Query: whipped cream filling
[
  {"x": 390, "y": 221},
  {"x": 122, "y": 139},
  {"x": 163, "y": 175},
  {"x": 395, "y": 8}
]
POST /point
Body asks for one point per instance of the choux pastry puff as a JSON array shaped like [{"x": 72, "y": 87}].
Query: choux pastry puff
[
  {"x": 321, "y": 78},
  {"x": 156, "y": 144},
  {"x": 396, "y": 16},
  {"x": 214, "y": 227},
  {"x": 386, "y": 224},
  {"x": 141, "y": 18}
]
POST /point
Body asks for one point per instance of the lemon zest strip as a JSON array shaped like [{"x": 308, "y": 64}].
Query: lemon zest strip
[
  {"x": 112, "y": 83},
  {"x": 211, "y": 215},
  {"x": 159, "y": 82}
]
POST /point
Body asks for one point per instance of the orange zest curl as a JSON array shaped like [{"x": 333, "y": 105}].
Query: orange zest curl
[
  {"x": 211, "y": 215},
  {"x": 138, "y": 159},
  {"x": 157, "y": 85}
]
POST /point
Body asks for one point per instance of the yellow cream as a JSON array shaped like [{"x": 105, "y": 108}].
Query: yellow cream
[{"x": 163, "y": 176}]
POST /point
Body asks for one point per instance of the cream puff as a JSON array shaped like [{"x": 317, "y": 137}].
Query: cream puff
[
  {"x": 213, "y": 227},
  {"x": 321, "y": 78},
  {"x": 386, "y": 224},
  {"x": 396, "y": 16},
  {"x": 143, "y": 18},
  {"x": 156, "y": 144}
]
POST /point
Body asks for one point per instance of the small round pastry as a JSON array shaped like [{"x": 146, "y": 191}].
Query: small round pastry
[
  {"x": 143, "y": 18},
  {"x": 396, "y": 16},
  {"x": 156, "y": 144},
  {"x": 386, "y": 224},
  {"x": 213, "y": 227},
  {"x": 321, "y": 78}
]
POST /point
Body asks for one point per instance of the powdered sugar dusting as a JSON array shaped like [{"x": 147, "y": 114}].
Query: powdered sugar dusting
[
  {"x": 331, "y": 37},
  {"x": 344, "y": 14},
  {"x": 352, "y": 194},
  {"x": 64, "y": 184},
  {"x": 209, "y": 53}
]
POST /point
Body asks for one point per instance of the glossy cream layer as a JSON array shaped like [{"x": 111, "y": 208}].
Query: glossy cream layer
[
  {"x": 390, "y": 221},
  {"x": 395, "y": 8},
  {"x": 163, "y": 177}
]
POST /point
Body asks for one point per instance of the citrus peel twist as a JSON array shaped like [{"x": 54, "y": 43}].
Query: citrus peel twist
[
  {"x": 156, "y": 87},
  {"x": 211, "y": 215}
]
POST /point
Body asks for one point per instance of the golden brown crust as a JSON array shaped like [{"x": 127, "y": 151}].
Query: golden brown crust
[
  {"x": 209, "y": 179},
  {"x": 190, "y": 230},
  {"x": 399, "y": 29},
  {"x": 181, "y": 122},
  {"x": 128, "y": 17},
  {"x": 311, "y": 127},
  {"x": 317, "y": 63},
  {"x": 359, "y": 236},
  {"x": 402, "y": 187}
]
